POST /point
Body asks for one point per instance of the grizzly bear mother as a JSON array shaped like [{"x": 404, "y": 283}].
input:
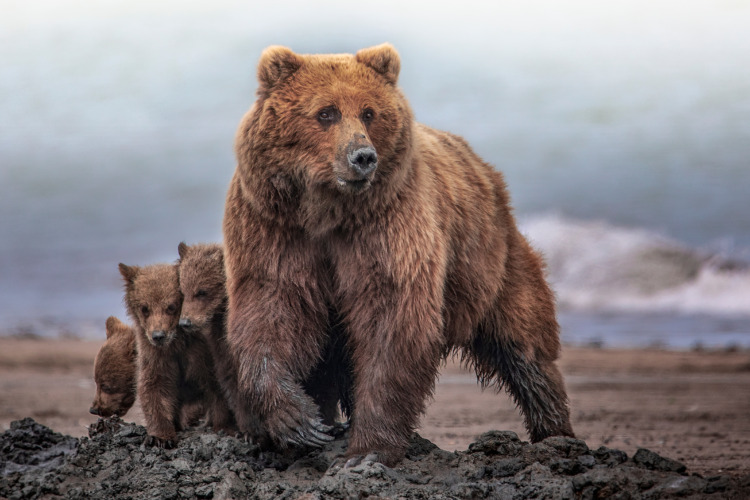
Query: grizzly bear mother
[{"x": 342, "y": 202}]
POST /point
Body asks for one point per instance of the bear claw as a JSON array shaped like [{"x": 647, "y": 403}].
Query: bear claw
[
  {"x": 358, "y": 459},
  {"x": 165, "y": 444}
]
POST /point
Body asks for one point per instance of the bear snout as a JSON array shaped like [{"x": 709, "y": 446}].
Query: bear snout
[
  {"x": 185, "y": 323},
  {"x": 159, "y": 336},
  {"x": 363, "y": 161}
]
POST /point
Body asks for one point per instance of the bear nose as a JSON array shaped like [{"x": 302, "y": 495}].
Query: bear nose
[
  {"x": 363, "y": 160},
  {"x": 185, "y": 323},
  {"x": 94, "y": 411},
  {"x": 158, "y": 335}
]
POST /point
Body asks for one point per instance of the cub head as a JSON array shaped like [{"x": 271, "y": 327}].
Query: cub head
[
  {"x": 153, "y": 300},
  {"x": 326, "y": 122},
  {"x": 115, "y": 371},
  {"x": 202, "y": 283}
]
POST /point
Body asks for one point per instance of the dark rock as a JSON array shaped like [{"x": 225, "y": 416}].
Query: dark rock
[
  {"x": 568, "y": 447},
  {"x": 717, "y": 484},
  {"x": 27, "y": 446},
  {"x": 650, "y": 460},
  {"x": 610, "y": 457},
  {"x": 419, "y": 447},
  {"x": 497, "y": 443}
]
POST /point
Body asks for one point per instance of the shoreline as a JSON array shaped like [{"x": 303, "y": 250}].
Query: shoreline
[{"x": 691, "y": 406}]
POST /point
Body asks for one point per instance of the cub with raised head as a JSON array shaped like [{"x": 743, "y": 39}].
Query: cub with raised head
[
  {"x": 175, "y": 369},
  {"x": 114, "y": 371}
]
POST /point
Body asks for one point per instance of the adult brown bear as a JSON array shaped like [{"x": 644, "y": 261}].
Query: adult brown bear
[{"x": 342, "y": 202}]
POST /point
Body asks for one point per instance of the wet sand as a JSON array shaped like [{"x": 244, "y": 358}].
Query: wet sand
[{"x": 693, "y": 407}]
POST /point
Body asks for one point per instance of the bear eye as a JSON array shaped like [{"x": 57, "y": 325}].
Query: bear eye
[
  {"x": 328, "y": 115},
  {"x": 368, "y": 115},
  {"x": 171, "y": 309},
  {"x": 201, "y": 294},
  {"x": 145, "y": 311}
]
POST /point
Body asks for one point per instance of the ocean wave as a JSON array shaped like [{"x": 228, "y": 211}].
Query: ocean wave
[{"x": 596, "y": 266}]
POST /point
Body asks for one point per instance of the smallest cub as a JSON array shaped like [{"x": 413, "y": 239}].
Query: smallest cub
[
  {"x": 175, "y": 369},
  {"x": 114, "y": 371}
]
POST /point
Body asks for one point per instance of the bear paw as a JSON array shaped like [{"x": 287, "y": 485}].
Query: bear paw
[
  {"x": 158, "y": 442},
  {"x": 298, "y": 425}
]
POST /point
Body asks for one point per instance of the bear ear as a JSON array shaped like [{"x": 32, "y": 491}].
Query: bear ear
[
  {"x": 182, "y": 249},
  {"x": 382, "y": 58},
  {"x": 276, "y": 64},
  {"x": 128, "y": 273},
  {"x": 112, "y": 323}
]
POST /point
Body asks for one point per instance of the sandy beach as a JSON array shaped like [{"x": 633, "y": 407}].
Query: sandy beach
[{"x": 693, "y": 406}]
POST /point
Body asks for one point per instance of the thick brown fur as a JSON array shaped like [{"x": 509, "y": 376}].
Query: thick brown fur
[
  {"x": 417, "y": 257},
  {"x": 176, "y": 380},
  {"x": 114, "y": 371}
]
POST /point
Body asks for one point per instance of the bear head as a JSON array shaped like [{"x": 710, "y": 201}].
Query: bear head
[
  {"x": 114, "y": 371},
  {"x": 153, "y": 300},
  {"x": 324, "y": 127},
  {"x": 202, "y": 283}
]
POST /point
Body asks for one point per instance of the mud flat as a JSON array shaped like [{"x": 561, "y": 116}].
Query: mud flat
[
  {"x": 112, "y": 462},
  {"x": 691, "y": 406}
]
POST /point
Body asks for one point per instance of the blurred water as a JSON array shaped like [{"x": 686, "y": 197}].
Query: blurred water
[{"x": 623, "y": 129}]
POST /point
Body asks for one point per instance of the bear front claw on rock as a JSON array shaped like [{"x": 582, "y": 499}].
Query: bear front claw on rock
[
  {"x": 158, "y": 442},
  {"x": 298, "y": 425},
  {"x": 358, "y": 459}
]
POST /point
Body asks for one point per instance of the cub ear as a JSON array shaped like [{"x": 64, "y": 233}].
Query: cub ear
[
  {"x": 383, "y": 59},
  {"x": 182, "y": 249},
  {"x": 112, "y": 323},
  {"x": 276, "y": 64},
  {"x": 128, "y": 273}
]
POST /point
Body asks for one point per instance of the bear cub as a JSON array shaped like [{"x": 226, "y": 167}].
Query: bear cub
[
  {"x": 204, "y": 305},
  {"x": 114, "y": 371},
  {"x": 176, "y": 381}
]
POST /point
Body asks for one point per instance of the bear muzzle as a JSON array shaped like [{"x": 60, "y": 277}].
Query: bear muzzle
[
  {"x": 362, "y": 163},
  {"x": 159, "y": 337},
  {"x": 185, "y": 323}
]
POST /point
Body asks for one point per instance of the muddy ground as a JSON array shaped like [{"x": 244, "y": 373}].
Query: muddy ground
[
  {"x": 113, "y": 463},
  {"x": 691, "y": 408}
]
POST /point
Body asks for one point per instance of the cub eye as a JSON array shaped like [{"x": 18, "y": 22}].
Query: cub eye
[
  {"x": 201, "y": 294},
  {"x": 368, "y": 115},
  {"x": 328, "y": 115},
  {"x": 171, "y": 309},
  {"x": 145, "y": 311}
]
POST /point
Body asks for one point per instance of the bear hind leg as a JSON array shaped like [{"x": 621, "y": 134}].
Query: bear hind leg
[{"x": 536, "y": 385}]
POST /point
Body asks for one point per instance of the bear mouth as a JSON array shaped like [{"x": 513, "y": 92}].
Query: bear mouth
[{"x": 354, "y": 185}]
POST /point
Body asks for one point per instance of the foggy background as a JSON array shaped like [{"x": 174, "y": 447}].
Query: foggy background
[{"x": 622, "y": 128}]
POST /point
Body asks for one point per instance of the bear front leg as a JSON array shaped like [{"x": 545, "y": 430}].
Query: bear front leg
[
  {"x": 396, "y": 366},
  {"x": 397, "y": 345},
  {"x": 157, "y": 392},
  {"x": 275, "y": 334}
]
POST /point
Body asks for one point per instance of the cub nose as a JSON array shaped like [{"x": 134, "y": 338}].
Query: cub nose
[
  {"x": 363, "y": 160},
  {"x": 185, "y": 323},
  {"x": 94, "y": 411},
  {"x": 158, "y": 336}
]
